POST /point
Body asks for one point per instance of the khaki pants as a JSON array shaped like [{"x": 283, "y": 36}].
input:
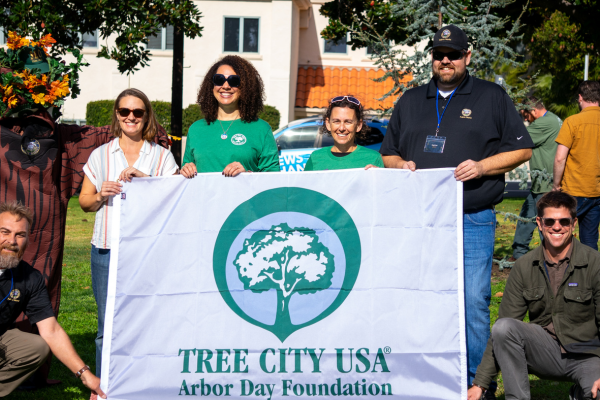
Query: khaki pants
[{"x": 20, "y": 355}]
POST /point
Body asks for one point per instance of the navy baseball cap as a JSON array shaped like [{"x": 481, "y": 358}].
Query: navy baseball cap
[{"x": 451, "y": 36}]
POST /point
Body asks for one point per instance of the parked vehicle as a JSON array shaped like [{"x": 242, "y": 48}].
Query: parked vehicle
[{"x": 297, "y": 140}]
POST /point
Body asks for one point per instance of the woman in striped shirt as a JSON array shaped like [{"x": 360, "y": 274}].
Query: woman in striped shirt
[{"x": 132, "y": 153}]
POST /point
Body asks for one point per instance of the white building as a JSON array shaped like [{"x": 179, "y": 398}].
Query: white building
[{"x": 300, "y": 70}]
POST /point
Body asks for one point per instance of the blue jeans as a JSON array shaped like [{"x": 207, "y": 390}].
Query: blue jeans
[
  {"x": 588, "y": 217},
  {"x": 100, "y": 262},
  {"x": 524, "y": 231},
  {"x": 479, "y": 229}
]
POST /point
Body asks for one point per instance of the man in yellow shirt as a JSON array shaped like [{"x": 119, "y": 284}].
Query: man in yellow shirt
[{"x": 577, "y": 161}]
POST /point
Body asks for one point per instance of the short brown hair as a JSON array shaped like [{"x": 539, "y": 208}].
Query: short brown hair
[
  {"x": 20, "y": 211},
  {"x": 151, "y": 125},
  {"x": 252, "y": 90},
  {"x": 589, "y": 91},
  {"x": 557, "y": 200},
  {"x": 534, "y": 102}
]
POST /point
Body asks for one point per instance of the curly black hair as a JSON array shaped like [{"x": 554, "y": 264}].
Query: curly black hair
[
  {"x": 252, "y": 91},
  {"x": 358, "y": 111}
]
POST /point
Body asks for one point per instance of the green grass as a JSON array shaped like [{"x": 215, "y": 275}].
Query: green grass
[{"x": 78, "y": 308}]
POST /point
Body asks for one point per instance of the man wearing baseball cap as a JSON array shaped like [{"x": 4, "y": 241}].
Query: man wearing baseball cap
[{"x": 459, "y": 121}]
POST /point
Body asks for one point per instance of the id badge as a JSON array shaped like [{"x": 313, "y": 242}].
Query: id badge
[{"x": 434, "y": 144}]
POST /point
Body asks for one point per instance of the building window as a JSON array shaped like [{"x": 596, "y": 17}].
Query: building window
[
  {"x": 332, "y": 46},
  {"x": 241, "y": 35},
  {"x": 163, "y": 40},
  {"x": 89, "y": 39}
]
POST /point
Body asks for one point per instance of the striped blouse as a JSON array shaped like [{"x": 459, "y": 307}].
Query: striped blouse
[{"x": 106, "y": 164}]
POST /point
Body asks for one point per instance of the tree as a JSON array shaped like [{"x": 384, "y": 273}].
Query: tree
[
  {"x": 288, "y": 260},
  {"x": 390, "y": 27},
  {"x": 133, "y": 22}
]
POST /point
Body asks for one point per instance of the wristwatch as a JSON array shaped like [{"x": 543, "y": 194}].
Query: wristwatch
[
  {"x": 82, "y": 370},
  {"x": 483, "y": 390}
]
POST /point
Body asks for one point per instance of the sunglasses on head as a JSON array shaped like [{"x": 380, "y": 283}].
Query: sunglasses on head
[
  {"x": 351, "y": 99},
  {"x": 452, "y": 55},
  {"x": 549, "y": 222},
  {"x": 232, "y": 80},
  {"x": 137, "y": 113}
]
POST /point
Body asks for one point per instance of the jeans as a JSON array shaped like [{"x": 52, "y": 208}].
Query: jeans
[
  {"x": 588, "y": 217},
  {"x": 524, "y": 231},
  {"x": 523, "y": 349},
  {"x": 479, "y": 229},
  {"x": 100, "y": 263}
]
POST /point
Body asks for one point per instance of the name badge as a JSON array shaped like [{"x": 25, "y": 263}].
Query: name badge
[
  {"x": 434, "y": 144},
  {"x": 572, "y": 284}
]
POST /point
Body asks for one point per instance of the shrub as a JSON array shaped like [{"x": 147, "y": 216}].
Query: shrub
[
  {"x": 191, "y": 114},
  {"x": 98, "y": 113},
  {"x": 271, "y": 115}
]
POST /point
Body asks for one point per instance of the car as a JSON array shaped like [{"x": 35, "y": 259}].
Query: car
[{"x": 298, "y": 139}]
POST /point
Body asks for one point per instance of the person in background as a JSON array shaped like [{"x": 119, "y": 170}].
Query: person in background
[
  {"x": 557, "y": 285},
  {"x": 577, "y": 165},
  {"x": 22, "y": 289},
  {"x": 132, "y": 153},
  {"x": 543, "y": 129},
  {"x": 344, "y": 122},
  {"x": 231, "y": 139}
]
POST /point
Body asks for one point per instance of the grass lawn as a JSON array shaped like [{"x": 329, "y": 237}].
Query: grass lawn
[{"x": 78, "y": 308}]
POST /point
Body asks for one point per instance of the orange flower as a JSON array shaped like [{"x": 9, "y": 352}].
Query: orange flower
[
  {"x": 60, "y": 89},
  {"x": 45, "y": 41},
  {"x": 50, "y": 98},
  {"x": 12, "y": 101},
  {"x": 39, "y": 98},
  {"x": 15, "y": 41}
]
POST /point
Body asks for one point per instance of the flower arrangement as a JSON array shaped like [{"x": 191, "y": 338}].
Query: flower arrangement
[{"x": 31, "y": 79}]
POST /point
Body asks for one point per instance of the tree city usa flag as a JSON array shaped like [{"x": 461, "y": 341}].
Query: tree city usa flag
[{"x": 287, "y": 285}]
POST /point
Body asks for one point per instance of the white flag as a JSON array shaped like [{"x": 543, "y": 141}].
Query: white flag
[{"x": 287, "y": 285}]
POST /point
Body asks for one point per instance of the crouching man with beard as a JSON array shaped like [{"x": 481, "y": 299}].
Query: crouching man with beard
[{"x": 22, "y": 289}]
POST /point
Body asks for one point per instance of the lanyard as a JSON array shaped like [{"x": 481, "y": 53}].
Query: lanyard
[
  {"x": 12, "y": 281},
  {"x": 545, "y": 114},
  {"x": 437, "y": 130}
]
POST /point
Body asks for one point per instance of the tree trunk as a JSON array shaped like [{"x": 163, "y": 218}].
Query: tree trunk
[
  {"x": 177, "y": 91},
  {"x": 282, "y": 319}
]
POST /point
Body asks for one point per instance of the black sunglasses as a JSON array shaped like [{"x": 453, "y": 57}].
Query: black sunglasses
[
  {"x": 124, "y": 112},
  {"x": 549, "y": 222},
  {"x": 232, "y": 80},
  {"x": 452, "y": 55},
  {"x": 351, "y": 99}
]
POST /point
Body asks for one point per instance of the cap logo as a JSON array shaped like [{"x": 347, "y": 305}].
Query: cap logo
[{"x": 446, "y": 34}]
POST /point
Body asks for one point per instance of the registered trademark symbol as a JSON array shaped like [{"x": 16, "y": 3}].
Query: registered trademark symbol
[{"x": 387, "y": 350}]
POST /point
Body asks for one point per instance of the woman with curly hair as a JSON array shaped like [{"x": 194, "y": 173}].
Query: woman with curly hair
[
  {"x": 344, "y": 122},
  {"x": 231, "y": 138}
]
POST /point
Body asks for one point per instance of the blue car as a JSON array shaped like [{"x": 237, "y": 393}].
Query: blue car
[{"x": 297, "y": 140}]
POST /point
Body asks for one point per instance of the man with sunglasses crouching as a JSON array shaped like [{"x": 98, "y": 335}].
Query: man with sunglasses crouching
[
  {"x": 558, "y": 284},
  {"x": 466, "y": 123}
]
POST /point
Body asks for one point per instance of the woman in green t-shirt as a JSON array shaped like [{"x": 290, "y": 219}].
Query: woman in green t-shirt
[
  {"x": 231, "y": 138},
  {"x": 344, "y": 121}
]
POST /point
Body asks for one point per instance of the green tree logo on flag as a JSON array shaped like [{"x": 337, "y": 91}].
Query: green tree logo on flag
[{"x": 286, "y": 259}]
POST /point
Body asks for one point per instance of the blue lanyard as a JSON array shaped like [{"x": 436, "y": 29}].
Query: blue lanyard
[
  {"x": 545, "y": 114},
  {"x": 437, "y": 130},
  {"x": 12, "y": 281}
]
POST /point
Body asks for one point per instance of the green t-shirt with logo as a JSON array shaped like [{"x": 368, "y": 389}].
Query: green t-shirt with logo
[
  {"x": 323, "y": 159},
  {"x": 249, "y": 143}
]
